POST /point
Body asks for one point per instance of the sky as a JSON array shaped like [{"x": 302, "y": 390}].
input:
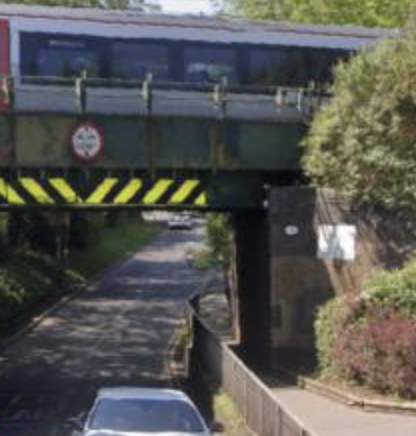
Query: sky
[{"x": 186, "y": 6}]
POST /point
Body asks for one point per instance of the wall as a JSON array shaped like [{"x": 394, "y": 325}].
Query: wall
[{"x": 300, "y": 281}]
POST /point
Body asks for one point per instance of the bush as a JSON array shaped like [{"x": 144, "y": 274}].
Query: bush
[
  {"x": 371, "y": 340},
  {"x": 26, "y": 279},
  {"x": 12, "y": 298},
  {"x": 379, "y": 352},
  {"x": 393, "y": 290},
  {"x": 332, "y": 320},
  {"x": 218, "y": 240},
  {"x": 363, "y": 142}
]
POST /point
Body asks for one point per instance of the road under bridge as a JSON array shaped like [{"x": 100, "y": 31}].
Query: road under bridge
[{"x": 116, "y": 333}]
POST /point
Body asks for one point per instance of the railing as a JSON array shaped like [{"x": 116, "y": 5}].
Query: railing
[
  {"x": 147, "y": 97},
  {"x": 260, "y": 409}
]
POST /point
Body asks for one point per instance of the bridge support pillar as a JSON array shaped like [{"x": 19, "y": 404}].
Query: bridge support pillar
[
  {"x": 252, "y": 284},
  {"x": 300, "y": 281},
  {"x": 309, "y": 246},
  {"x": 322, "y": 245}
]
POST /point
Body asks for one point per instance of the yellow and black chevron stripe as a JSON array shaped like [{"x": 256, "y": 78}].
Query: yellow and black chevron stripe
[{"x": 119, "y": 191}]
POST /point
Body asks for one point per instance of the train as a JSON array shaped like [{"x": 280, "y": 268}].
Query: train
[{"x": 40, "y": 41}]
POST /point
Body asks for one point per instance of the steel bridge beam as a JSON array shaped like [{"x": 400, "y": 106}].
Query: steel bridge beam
[{"x": 63, "y": 189}]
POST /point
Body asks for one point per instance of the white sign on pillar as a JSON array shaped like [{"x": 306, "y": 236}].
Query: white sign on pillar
[{"x": 337, "y": 242}]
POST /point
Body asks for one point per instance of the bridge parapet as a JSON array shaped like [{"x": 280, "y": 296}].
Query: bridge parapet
[
  {"x": 148, "y": 98},
  {"x": 67, "y": 142}
]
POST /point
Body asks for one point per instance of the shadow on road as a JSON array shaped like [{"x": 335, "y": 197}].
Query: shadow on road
[{"x": 117, "y": 333}]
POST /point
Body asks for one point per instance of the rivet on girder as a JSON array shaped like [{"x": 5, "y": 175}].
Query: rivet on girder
[
  {"x": 147, "y": 93},
  {"x": 220, "y": 96},
  {"x": 80, "y": 90},
  {"x": 300, "y": 100},
  {"x": 280, "y": 98}
]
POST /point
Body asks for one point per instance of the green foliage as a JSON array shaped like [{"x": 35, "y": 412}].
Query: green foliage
[
  {"x": 216, "y": 249},
  {"x": 202, "y": 259},
  {"x": 329, "y": 322},
  {"x": 27, "y": 278},
  {"x": 371, "y": 13},
  {"x": 395, "y": 290},
  {"x": 106, "y": 245},
  {"x": 218, "y": 240},
  {"x": 364, "y": 141}
]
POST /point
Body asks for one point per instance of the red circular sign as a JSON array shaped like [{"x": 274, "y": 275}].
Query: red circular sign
[{"x": 87, "y": 142}]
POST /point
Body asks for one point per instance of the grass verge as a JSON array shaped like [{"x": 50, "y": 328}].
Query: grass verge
[
  {"x": 28, "y": 281},
  {"x": 111, "y": 244},
  {"x": 225, "y": 412},
  {"x": 31, "y": 281}
]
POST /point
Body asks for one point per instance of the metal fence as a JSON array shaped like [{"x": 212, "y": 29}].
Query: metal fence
[{"x": 254, "y": 400}]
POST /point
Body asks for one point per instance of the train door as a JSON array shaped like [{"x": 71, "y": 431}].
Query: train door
[{"x": 4, "y": 60}]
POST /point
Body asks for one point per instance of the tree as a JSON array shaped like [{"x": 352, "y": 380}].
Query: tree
[
  {"x": 364, "y": 141},
  {"x": 372, "y": 13},
  {"x": 105, "y": 4}
]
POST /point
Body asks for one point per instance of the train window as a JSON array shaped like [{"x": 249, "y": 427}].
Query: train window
[
  {"x": 136, "y": 60},
  {"x": 60, "y": 56},
  {"x": 67, "y": 63},
  {"x": 277, "y": 67},
  {"x": 210, "y": 64}
]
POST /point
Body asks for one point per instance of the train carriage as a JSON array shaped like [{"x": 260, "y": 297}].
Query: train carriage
[{"x": 48, "y": 42}]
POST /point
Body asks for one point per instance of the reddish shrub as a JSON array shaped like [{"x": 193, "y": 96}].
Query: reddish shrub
[{"x": 379, "y": 351}]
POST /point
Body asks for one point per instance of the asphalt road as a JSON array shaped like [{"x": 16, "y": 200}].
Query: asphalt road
[{"x": 116, "y": 333}]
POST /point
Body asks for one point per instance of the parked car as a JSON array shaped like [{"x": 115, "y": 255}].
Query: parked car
[
  {"x": 139, "y": 412},
  {"x": 180, "y": 222}
]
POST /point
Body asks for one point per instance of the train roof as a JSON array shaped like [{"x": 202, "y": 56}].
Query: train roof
[{"x": 210, "y": 29}]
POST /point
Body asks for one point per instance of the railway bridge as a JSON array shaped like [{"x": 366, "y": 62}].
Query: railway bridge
[
  {"x": 112, "y": 110},
  {"x": 147, "y": 144},
  {"x": 103, "y": 109}
]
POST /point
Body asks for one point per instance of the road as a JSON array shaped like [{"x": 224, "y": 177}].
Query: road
[{"x": 115, "y": 333}]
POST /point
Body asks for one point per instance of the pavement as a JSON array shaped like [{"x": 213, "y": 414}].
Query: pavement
[
  {"x": 325, "y": 417},
  {"x": 320, "y": 415},
  {"x": 118, "y": 332}
]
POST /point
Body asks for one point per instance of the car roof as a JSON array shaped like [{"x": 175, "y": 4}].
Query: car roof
[{"x": 133, "y": 392}]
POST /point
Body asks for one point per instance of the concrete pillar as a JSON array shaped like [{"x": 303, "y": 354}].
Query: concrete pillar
[
  {"x": 309, "y": 246},
  {"x": 252, "y": 263},
  {"x": 321, "y": 246},
  {"x": 299, "y": 280}
]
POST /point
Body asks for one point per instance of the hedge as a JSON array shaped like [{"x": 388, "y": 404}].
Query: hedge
[
  {"x": 363, "y": 141},
  {"x": 371, "y": 340}
]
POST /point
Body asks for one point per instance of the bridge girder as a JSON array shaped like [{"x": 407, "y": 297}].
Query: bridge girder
[{"x": 100, "y": 188}]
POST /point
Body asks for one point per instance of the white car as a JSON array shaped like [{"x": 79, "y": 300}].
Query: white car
[
  {"x": 180, "y": 222},
  {"x": 143, "y": 412}
]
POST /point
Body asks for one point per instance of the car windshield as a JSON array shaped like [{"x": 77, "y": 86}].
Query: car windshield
[{"x": 145, "y": 415}]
